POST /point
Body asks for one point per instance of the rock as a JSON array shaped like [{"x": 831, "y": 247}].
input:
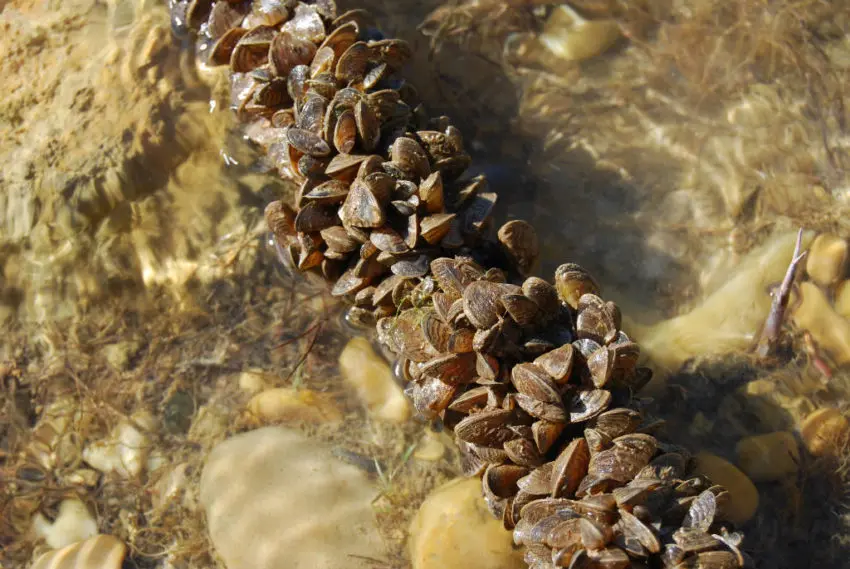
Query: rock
[
  {"x": 119, "y": 354},
  {"x": 285, "y": 404},
  {"x": 827, "y": 259},
  {"x": 769, "y": 457},
  {"x": 432, "y": 446},
  {"x": 829, "y": 330},
  {"x": 744, "y": 498},
  {"x": 252, "y": 381},
  {"x": 99, "y": 552},
  {"x": 573, "y": 38},
  {"x": 274, "y": 498},
  {"x": 725, "y": 321},
  {"x": 824, "y": 431},
  {"x": 372, "y": 379},
  {"x": 842, "y": 299},
  {"x": 126, "y": 449},
  {"x": 454, "y": 530},
  {"x": 74, "y": 523}
]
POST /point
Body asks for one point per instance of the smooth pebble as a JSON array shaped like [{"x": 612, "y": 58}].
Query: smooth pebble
[
  {"x": 573, "y": 38},
  {"x": 74, "y": 523},
  {"x": 744, "y": 497},
  {"x": 288, "y": 405},
  {"x": 830, "y": 331},
  {"x": 824, "y": 431},
  {"x": 770, "y": 457},
  {"x": 842, "y": 299},
  {"x": 126, "y": 449},
  {"x": 275, "y": 498},
  {"x": 454, "y": 530},
  {"x": 432, "y": 446},
  {"x": 372, "y": 380},
  {"x": 99, "y": 552},
  {"x": 827, "y": 259}
]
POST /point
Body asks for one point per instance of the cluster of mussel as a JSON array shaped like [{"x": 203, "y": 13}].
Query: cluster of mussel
[{"x": 535, "y": 379}]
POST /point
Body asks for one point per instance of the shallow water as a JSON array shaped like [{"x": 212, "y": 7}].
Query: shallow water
[{"x": 137, "y": 273}]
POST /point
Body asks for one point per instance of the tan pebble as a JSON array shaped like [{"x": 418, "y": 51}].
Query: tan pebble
[
  {"x": 760, "y": 387},
  {"x": 454, "y": 530},
  {"x": 277, "y": 499},
  {"x": 827, "y": 259},
  {"x": 372, "y": 379},
  {"x": 251, "y": 381},
  {"x": 769, "y": 457},
  {"x": 83, "y": 477},
  {"x": 294, "y": 405},
  {"x": 573, "y": 38},
  {"x": 842, "y": 299},
  {"x": 824, "y": 430},
  {"x": 744, "y": 497},
  {"x": 431, "y": 447},
  {"x": 74, "y": 522},
  {"x": 99, "y": 552},
  {"x": 829, "y": 330}
]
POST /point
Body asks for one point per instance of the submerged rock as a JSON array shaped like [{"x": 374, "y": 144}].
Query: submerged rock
[
  {"x": 827, "y": 259},
  {"x": 744, "y": 499},
  {"x": 290, "y": 405},
  {"x": 74, "y": 523},
  {"x": 274, "y": 498},
  {"x": 126, "y": 449},
  {"x": 769, "y": 457},
  {"x": 824, "y": 431},
  {"x": 727, "y": 320},
  {"x": 454, "y": 530},
  {"x": 829, "y": 330},
  {"x": 372, "y": 379},
  {"x": 99, "y": 552}
]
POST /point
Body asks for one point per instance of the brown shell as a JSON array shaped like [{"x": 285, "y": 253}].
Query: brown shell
[
  {"x": 223, "y": 48},
  {"x": 307, "y": 142},
  {"x": 538, "y": 482},
  {"x": 570, "y": 468},
  {"x": 600, "y": 364},
  {"x": 617, "y": 422},
  {"x": 522, "y": 451},
  {"x": 532, "y": 381},
  {"x": 407, "y": 334},
  {"x": 287, "y": 51},
  {"x": 558, "y": 363},
  {"x": 572, "y": 281},
  {"x": 368, "y": 125},
  {"x": 545, "y": 434},
  {"x": 341, "y": 38},
  {"x": 547, "y": 411},
  {"x": 487, "y": 428},
  {"x": 481, "y": 303},
  {"x": 588, "y": 403},
  {"x": 362, "y": 208},
  {"x": 351, "y": 65},
  {"x": 315, "y": 217},
  {"x": 432, "y": 396},
  {"x": 475, "y": 398},
  {"x": 453, "y": 369},
  {"x": 521, "y": 308},
  {"x": 387, "y": 239},
  {"x": 519, "y": 241},
  {"x": 345, "y": 133}
]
